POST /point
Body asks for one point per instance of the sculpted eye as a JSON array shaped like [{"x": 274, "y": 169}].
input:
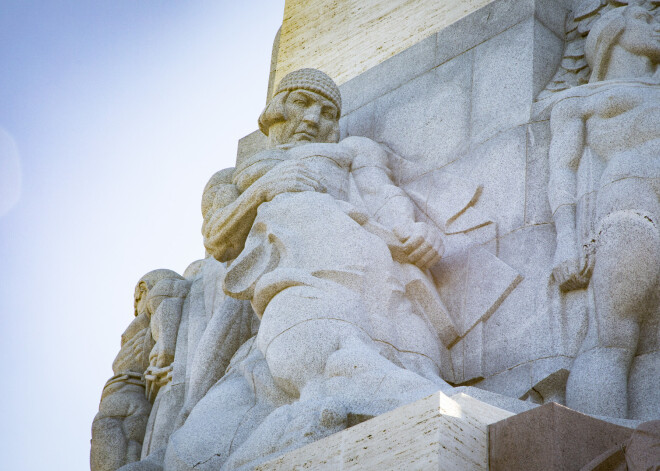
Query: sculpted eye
[{"x": 328, "y": 113}]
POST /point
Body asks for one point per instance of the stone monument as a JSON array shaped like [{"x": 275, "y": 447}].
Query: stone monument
[{"x": 474, "y": 219}]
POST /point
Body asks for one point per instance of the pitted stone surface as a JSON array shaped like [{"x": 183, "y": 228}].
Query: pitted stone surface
[{"x": 481, "y": 219}]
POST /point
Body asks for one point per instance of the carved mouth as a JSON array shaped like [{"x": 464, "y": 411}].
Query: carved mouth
[{"x": 305, "y": 136}]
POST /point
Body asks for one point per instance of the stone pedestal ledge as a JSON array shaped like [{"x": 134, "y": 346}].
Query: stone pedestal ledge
[{"x": 438, "y": 432}]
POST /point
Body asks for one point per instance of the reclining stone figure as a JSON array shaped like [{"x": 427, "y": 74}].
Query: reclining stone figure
[{"x": 327, "y": 250}]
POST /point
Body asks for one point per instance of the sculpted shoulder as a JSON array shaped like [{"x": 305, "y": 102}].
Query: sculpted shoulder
[{"x": 366, "y": 152}]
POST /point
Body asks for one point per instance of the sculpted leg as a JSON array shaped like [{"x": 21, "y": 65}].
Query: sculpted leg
[
  {"x": 644, "y": 385},
  {"x": 301, "y": 327},
  {"x": 109, "y": 444},
  {"x": 624, "y": 281}
]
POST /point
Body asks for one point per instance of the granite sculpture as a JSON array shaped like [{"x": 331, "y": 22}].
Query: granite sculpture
[
  {"x": 456, "y": 229},
  {"x": 119, "y": 427},
  {"x": 340, "y": 337},
  {"x": 605, "y": 195}
]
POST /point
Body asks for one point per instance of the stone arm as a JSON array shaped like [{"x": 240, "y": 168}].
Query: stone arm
[
  {"x": 132, "y": 356},
  {"x": 566, "y": 148},
  {"x": 390, "y": 205},
  {"x": 228, "y": 216},
  {"x": 226, "y": 227}
]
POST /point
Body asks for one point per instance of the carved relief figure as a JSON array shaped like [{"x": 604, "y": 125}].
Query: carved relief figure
[
  {"x": 294, "y": 272},
  {"x": 604, "y": 191},
  {"x": 165, "y": 303},
  {"x": 119, "y": 427},
  {"x": 327, "y": 250}
]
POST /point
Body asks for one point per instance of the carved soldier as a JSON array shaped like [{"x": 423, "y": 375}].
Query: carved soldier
[
  {"x": 327, "y": 250},
  {"x": 119, "y": 427},
  {"x": 295, "y": 271},
  {"x": 605, "y": 194}
]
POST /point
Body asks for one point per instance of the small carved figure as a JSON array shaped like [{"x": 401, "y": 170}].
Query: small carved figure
[
  {"x": 165, "y": 303},
  {"x": 119, "y": 427},
  {"x": 604, "y": 191}
]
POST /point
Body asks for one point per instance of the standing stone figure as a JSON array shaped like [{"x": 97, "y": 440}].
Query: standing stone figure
[
  {"x": 165, "y": 303},
  {"x": 604, "y": 191},
  {"x": 329, "y": 253},
  {"x": 119, "y": 427}
]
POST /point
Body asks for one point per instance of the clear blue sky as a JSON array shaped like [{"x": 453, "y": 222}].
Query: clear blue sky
[{"x": 113, "y": 115}]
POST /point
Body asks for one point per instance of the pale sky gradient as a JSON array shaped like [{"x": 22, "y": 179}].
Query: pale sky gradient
[{"x": 113, "y": 115}]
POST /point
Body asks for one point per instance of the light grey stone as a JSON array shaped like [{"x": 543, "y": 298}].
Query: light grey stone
[
  {"x": 119, "y": 427},
  {"x": 390, "y": 74},
  {"x": 503, "y": 401},
  {"x": 503, "y": 194},
  {"x": 361, "y": 259},
  {"x": 552, "y": 14},
  {"x": 514, "y": 382},
  {"x": 502, "y": 81},
  {"x": 470, "y": 296},
  {"x": 547, "y": 54},
  {"x": 525, "y": 307},
  {"x": 336, "y": 327},
  {"x": 250, "y": 145},
  {"x": 361, "y": 121},
  {"x": 537, "y": 207},
  {"x": 427, "y": 120},
  {"x": 607, "y": 223},
  {"x": 549, "y": 377},
  {"x": 642, "y": 386},
  {"x": 473, "y": 354},
  {"x": 481, "y": 25}
]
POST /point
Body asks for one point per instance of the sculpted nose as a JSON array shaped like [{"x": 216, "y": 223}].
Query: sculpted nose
[{"x": 313, "y": 115}]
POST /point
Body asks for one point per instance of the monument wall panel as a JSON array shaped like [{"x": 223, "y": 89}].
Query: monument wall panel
[{"x": 347, "y": 37}]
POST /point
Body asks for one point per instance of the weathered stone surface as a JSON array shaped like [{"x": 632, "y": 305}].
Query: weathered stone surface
[
  {"x": 348, "y": 38},
  {"x": 438, "y": 432},
  {"x": 640, "y": 452},
  {"x": 119, "y": 427},
  {"x": 428, "y": 237},
  {"x": 551, "y": 437},
  {"x": 605, "y": 198}
]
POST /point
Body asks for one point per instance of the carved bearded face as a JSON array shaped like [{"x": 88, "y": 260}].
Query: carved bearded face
[
  {"x": 641, "y": 35},
  {"x": 309, "y": 117}
]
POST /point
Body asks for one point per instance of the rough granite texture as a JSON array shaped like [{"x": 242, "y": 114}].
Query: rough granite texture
[{"x": 477, "y": 215}]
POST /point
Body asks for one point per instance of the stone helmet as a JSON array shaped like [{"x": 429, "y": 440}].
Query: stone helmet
[
  {"x": 306, "y": 79},
  {"x": 603, "y": 36},
  {"x": 148, "y": 281}
]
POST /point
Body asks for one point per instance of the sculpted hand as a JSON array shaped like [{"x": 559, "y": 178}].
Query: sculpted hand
[
  {"x": 155, "y": 378},
  {"x": 571, "y": 270},
  {"x": 421, "y": 243},
  {"x": 289, "y": 176},
  {"x": 160, "y": 357}
]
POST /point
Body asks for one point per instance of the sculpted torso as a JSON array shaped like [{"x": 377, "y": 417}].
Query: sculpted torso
[
  {"x": 310, "y": 267},
  {"x": 623, "y": 118},
  {"x": 604, "y": 192}
]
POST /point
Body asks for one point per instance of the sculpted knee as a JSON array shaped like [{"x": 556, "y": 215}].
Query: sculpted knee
[{"x": 627, "y": 226}]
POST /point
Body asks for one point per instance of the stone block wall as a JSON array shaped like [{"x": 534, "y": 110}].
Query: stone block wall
[{"x": 347, "y": 37}]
